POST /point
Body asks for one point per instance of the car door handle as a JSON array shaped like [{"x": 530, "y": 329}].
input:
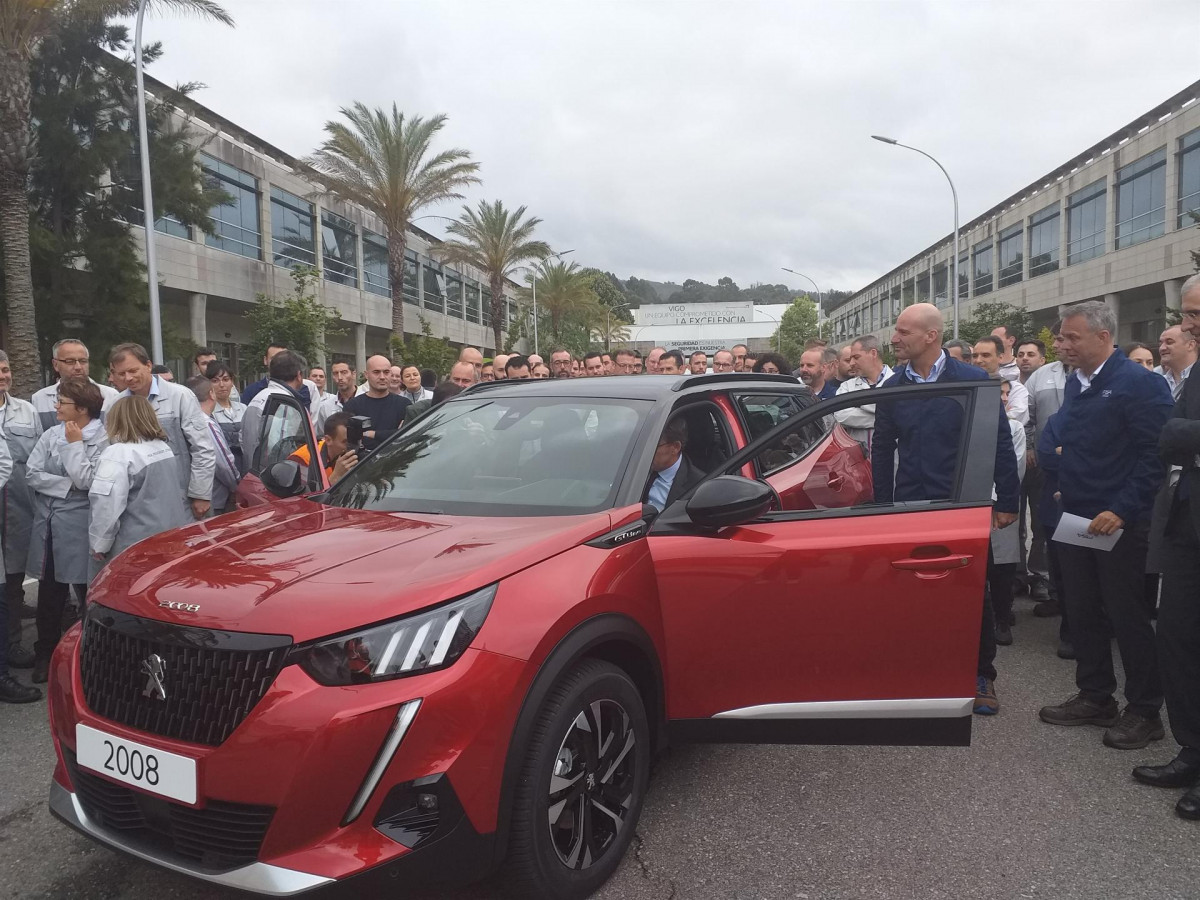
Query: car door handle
[{"x": 933, "y": 566}]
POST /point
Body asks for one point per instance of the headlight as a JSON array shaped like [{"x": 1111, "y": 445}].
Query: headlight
[{"x": 421, "y": 642}]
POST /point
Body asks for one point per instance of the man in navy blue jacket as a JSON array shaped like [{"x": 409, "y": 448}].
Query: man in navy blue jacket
[
  {"x": 914, "y": 455},
  {"x": 1109, "y": 472}
]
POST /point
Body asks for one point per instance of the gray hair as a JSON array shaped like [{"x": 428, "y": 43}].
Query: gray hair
[
  {"x": 3, "y": 356},
  {"x": 1191, "y": 284},
  {"x": 57, "y": 344},
  {"x": 867, "y": 342},
  {"x": 1098, "y": 315},
  {"x": 963, "y": 346},
  {"x": 829, "y": 355}
]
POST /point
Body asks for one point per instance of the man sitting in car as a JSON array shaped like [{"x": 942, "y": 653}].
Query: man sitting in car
[
  {"x": 672, "y": 473},
  {"x": 336, "y": 458}
]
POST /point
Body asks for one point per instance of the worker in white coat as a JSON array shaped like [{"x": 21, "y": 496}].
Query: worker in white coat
[
  {"x": 286, "y": 370},
  {"x": 135, "y": 492},
  {"x": 868, "y": 371},
  {"x": 60, "y": 474},
  {"x": 182, "y": 421},
  {"x": 72, "y": 362}
]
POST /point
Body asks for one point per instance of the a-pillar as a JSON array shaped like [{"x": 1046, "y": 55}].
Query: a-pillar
[
  {"x": 197, "y": 314},
  {"x": 360, "y": 347},
  {"x": 1172, "y": 292}
]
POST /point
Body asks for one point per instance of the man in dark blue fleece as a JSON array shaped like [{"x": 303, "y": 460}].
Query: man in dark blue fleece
[
  {"x": 914, "y": 456},
  {"x": 1108, "y": 472}
]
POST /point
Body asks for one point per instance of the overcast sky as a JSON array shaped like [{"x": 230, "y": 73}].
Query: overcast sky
[{"x": 694, "y": 139}]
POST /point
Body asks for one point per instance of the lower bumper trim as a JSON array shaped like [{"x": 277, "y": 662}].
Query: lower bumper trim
[{"x": 260, "y": 878}]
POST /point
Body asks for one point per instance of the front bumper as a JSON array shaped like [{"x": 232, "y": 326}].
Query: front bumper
[{"x": 305, "y": 752}]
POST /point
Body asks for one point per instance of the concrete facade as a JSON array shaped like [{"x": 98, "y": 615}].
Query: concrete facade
[
  {"x": 206, "y": 290},
  {"x": 1138, "y": 273}
]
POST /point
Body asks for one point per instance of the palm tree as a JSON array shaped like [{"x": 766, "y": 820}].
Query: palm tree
[
  {"x": 378, "y": 161},
  {"x": 496, "y": 242},
  {"x": 562, "y": 290},
  {"x": 24, "y": 24}
]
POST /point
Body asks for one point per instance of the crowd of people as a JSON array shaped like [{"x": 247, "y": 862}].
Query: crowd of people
[{"x": 1102, "y": 436}]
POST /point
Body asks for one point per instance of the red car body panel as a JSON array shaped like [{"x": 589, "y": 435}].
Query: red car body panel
[{"x": 857, "y": 627}]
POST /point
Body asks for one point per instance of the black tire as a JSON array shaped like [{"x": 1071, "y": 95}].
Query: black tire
[{"x": 604, "y": 785}]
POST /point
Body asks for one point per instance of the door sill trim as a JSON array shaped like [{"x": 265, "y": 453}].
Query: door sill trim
[{"x": 915, "y": 708}]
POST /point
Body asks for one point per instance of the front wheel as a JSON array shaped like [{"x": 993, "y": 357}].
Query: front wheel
[{"x": 581, "y": 786}]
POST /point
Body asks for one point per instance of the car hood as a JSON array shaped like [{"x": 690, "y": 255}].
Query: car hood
[{"x": 306, "y": 570}]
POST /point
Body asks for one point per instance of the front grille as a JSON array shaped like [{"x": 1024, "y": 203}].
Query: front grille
[
  {"x": 212, "y": 679},
  {"x": 220, "y": 836}
]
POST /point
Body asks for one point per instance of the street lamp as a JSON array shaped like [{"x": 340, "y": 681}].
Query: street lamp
[
  {"x": 535, "y": 317},
  {"x": 954, "y": 194},
  {"x": 778, "y": 329},
  {"x": 820, "y": 299},
  {"x": 156, "y": 343}
]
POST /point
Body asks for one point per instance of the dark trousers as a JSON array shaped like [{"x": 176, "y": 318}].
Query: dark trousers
[
  {"x": 1000, "y": 578},
  {"x": 1057, "y": 590},
  {"x": 1110, "y": 583},
  {"x": 15, "y": 591},
  {"x": 1179, "y": 628},
  {"x": 987, "y": 634},
  {"x": 51, "y": 602},
  {"x": 3, "y": 633},
  {"x": 1033, "y": 563}
]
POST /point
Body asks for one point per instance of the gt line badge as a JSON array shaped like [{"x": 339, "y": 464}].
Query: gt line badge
[{"x": 153, "y": 668}]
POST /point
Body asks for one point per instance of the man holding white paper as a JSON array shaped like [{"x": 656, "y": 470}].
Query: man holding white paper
[{"x": 1108, "y": 473}]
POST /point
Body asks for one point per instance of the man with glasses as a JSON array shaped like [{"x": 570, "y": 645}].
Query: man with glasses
[
  {"x": 626, "y": 362},
  {"x": 560, "y": 363},
  {"x": 70, "y": 359},
  {"x": 723, "y": 362}
]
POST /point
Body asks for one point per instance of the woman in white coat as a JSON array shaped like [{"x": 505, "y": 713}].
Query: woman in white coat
[
  {"x": 136, "y": 492},
  {"x": 229, "y": 409},
  {"x": 60, "y": 473}
]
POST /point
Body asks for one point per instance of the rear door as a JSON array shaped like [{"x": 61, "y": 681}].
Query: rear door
[
  {"x": 847, "y": 624},
  {"x": 283, "y": 429}
]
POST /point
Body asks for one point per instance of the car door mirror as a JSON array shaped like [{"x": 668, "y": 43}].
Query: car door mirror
[
  {"x": 729, "y": 500},
  {"x": 284, "y": 479}
]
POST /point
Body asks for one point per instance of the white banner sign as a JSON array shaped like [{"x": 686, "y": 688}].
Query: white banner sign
[
  {"x": 689, "y": 347},
  {"x": 695, "y": 314}
]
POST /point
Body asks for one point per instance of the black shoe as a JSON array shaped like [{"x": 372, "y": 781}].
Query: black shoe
[
  {"x": 1078, "y": 710},
  {"x": 1189, "y": 804},
  {"x": 19, "y": 657},
  {"x": 41, "y": 671},
  {"x": 1133, "y": 731},
  {"x": 1047, "y": 609},
  {"x": 12, "y": 691},
  {"x": 1175, "y": 774},
  {"x": 1066, "y": 650},
  {"x": 1039, "y": 592},
  {"x": 1003, "y": 634}
]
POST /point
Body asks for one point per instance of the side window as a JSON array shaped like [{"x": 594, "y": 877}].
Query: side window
[
  {"x": 763, "y": 412},
  {"x": 285, "y": 430}
]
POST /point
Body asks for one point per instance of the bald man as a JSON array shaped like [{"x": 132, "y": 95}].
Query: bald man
[
  {"x": 914, "y": 456},
  {"x": 498, "y": 363},
  {"x": 384, "y": 409},
  {"x": 474, "y": 357}
]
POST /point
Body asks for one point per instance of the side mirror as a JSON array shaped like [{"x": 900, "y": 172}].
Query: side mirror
[
  {"x": 284, "y": 479},
  {"x": 729, "y": 500}
]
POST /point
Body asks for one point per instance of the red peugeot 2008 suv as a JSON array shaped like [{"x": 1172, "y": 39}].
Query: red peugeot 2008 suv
[{"x": 466, "y": 653}]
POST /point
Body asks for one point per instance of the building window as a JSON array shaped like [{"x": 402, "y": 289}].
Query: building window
[
  {"x": 236, "y": 227},
  {"x": 339, "y": 249},
  {"x": 941, "y": 289},
  {"x": 982, "y": 257},
  {"x": 292, "y": 221},
  {"x": 1009, "y": 247},
  {"x": 412, "y": 269},
  {"x": 1085, "y": 223},
  {"x": 923, "y": 288},
  {"x": 964, "y": 276},
  {"x": 434, "y": 288},
  {"x": 1141, "y": 199},
  {"x": 896, "y": 305},
  {"x": 487, "y": 308},
  {"x": 375, "y": 264},
  {"x": 1189, "y": 178},
  {"x": 454, "y": 296},
  {"x": 473, "y": 302},
  {"x": 1043, "y": 241}
]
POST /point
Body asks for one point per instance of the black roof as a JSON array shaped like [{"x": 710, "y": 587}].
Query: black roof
[{"x": 628, "y": 387}]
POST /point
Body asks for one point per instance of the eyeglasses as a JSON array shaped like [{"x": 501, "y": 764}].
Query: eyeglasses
[
  {"x": 59, "y": 401},
  {"x": 74, "y": 362}
]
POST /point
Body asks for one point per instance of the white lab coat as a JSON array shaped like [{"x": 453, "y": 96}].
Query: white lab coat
[
  {"x": 21, "y": 428},
  {"x": 135, "y": 494},
  {"x": 859, "y": 421},
  {"x": 60, "y": 475},
  {"x": 186, "y": 426},
  {"x": 252, "y": 420}
]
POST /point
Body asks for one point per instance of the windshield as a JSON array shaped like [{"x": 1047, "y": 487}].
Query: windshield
[{"x": 519, "y": 456}]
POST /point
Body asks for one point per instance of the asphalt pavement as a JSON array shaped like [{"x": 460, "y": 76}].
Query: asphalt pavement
[{"x": 1028, "y": 811}]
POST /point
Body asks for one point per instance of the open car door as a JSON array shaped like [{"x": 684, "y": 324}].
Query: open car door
[
  {"x": 283, "y": 429},
  {"x": 846, "y": 624}
]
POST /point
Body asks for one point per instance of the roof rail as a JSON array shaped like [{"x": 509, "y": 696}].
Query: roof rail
[{"x": 732, "y": 378}]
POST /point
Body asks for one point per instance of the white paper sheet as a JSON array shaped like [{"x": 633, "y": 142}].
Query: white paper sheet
[{"x": 1074, "y": 530}]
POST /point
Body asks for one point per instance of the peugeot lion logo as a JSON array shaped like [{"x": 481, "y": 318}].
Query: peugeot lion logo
[{"x": 153, "y": 668}]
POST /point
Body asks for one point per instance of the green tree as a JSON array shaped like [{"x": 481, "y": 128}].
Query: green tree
[
  {"x": 1046, "y": 336},
  {"x": 298, "y": 321},
  {"x": 797, "y": 325},
  {"x": 424, "y": 350},
  {"x": 496, "y": 242},
  {"x": 24, "y": 26},
  {"x": 382, "y": 162},
  {"x": 562, "y": 289},
  {"x": 986, "y": 316}
]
